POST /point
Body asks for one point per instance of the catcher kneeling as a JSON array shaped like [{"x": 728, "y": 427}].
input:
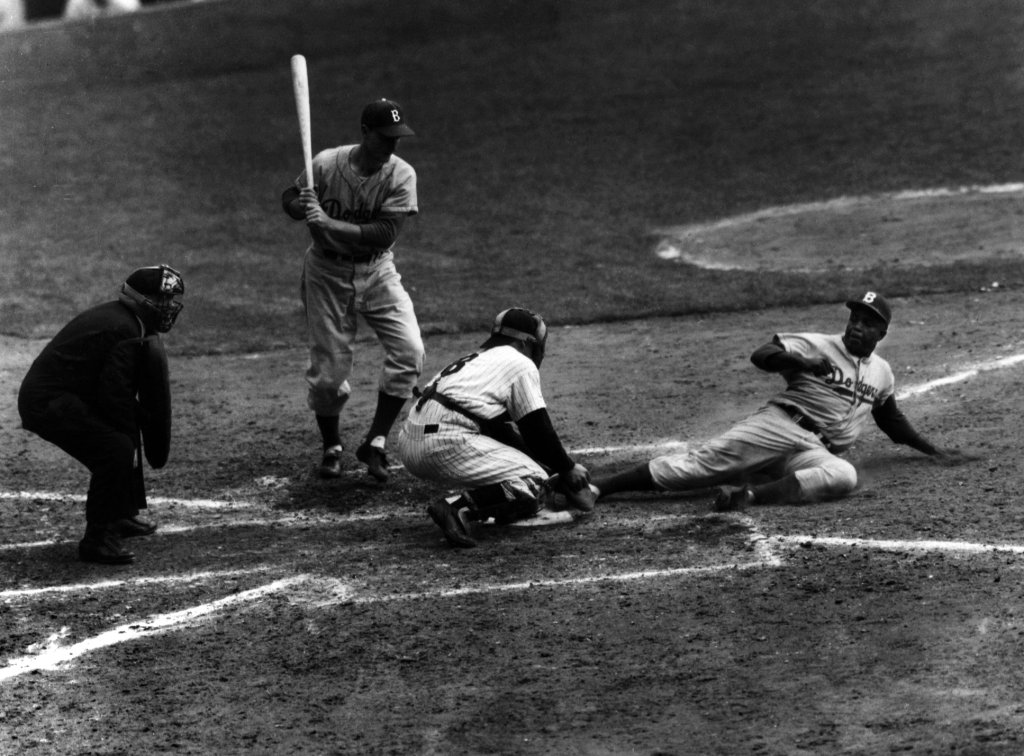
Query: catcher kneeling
[{"x": 481, "y": 424}]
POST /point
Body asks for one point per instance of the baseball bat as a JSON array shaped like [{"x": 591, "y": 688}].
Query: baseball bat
[{"x": 300, "y": 85}]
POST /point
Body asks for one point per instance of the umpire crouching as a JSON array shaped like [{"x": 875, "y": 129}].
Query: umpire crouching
[{"x": 99, "y": 391}]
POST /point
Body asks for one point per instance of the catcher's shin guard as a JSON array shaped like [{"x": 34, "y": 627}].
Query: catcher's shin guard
[{"x": 504, "y": 502}]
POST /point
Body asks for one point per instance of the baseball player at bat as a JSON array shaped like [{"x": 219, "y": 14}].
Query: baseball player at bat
[
  {"x": 362, "y": 195},
  {"x": 92, "y": 393},
  {"x": 834, "y": 383},
  {"x": 482, "y": 425}
]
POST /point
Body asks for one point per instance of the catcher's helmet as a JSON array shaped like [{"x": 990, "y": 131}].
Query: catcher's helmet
[
  {"x": 151, "y": 291},
  {"x": 524, "y": 325}
]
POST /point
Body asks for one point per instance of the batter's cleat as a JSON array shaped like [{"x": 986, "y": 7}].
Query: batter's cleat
[
  {"x": 371, "y": 453},
  {"x": 330, "y": 465},
  {"x": 133, "y": 527},
  {"x": 730, "y": 499},
  {"x": 102, "y": 545},
  {"x": 454, "y": 523}
]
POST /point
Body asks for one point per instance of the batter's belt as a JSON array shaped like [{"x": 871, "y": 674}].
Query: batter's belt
[
  {"x": 806, "y": 423},
  {"x": 365, "y": 257}
]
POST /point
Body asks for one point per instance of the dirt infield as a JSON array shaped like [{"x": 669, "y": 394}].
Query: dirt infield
[{"x": 276, "y": 613}]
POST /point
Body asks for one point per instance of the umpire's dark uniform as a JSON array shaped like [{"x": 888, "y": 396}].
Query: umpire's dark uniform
[{"x": 80, "y": 394}]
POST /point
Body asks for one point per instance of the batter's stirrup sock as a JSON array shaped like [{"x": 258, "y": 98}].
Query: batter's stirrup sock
[
  {"x": 785, "y": 490},
  {"x": 328, "y": 425},
  {"x": 388, "y": 409}
]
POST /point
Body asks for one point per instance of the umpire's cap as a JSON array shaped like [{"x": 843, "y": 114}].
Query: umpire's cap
[
  {"x": 520, "y": 323},
  {"x": 875, "y": 303},
  {"x": 386, "y": 117}
]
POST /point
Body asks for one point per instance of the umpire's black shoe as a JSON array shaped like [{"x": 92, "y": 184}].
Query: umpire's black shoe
[
  {"x": 133, "y": 527},
  {"x": 102, "y": 545},
  {"x": 454, "y": 523},
  {"x": 730, "y": 499},
  {"x": 330, "y": 465},
  {"x": 374, "y": 459}
]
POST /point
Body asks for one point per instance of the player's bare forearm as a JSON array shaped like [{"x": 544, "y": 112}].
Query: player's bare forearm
[{"x": 891, "y": 421}]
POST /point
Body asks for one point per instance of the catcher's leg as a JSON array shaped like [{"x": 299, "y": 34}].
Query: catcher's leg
[
  {"x": 506, "y": 502},
  {"x": 453, "y": 516}
]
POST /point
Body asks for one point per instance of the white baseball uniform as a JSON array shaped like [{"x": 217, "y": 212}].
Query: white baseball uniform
[
  {"x": 341, "y": 279},
  {"x": 797, "y": 431},
  {"x": 441, "y": 444}
]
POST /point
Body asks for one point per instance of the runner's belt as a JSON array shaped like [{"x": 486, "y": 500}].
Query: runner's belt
[{"x": 805, "y": 422}]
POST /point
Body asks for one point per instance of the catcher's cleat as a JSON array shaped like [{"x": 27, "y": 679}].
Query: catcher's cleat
[
  {"x": 730, "y": 499},
  {"x": 454, "y": 523},
  {"x": 374, "y": 459},
  {"x": 330, "y": 465},
  {"x": 133, "y": 527},
  {"x": 102, "y": 545}
]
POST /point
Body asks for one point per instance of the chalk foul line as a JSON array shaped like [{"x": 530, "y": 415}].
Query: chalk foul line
[
  {"x": 877, "y": 544},
  {"x": 194, "y": 577},
  {"x": 53, "y": 657},
  {"x": 323, "y": 591}
]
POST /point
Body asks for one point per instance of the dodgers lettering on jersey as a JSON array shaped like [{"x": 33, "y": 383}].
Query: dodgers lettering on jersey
[
  {"x": 489, "y": 383},
  {"x": 345, "y": 195},
  {"x": 839, "y": 403}
]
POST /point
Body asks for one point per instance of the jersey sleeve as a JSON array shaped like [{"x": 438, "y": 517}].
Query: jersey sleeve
[
  {"x": 402, "y": 199},
  {"x": 524, "y": 392},
  {"x": 888, "y": 381},
  {"x": 802, "y": 344},
  {"x": 324, "y": 165}
]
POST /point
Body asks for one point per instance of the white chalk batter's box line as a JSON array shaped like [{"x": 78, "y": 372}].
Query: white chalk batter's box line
[{"x": 319, "y": 592}]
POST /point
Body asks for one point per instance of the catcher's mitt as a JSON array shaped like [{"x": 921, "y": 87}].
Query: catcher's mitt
[{"x": 583, "y": 499}]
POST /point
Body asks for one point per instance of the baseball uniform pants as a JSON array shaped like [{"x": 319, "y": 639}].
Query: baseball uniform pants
[
  {"x": 334, "y": 292},
  {"x": 116, "y": 486},
  {"x": 766, "y": 442},
  {"x": 464, "y": 458}
]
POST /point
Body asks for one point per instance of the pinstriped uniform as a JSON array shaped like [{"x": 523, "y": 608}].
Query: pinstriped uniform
[
  {"x": 839, "y": 404},
  {"x": 443, "y": 445}
]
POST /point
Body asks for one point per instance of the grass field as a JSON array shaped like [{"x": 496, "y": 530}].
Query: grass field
[{"x": 555, "y": 137}]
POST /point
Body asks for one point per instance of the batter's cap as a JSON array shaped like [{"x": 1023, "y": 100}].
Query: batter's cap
[
  {"x": 386, "y": 117},
  {"x": 520, "y": 323},
  {"x": 875, "y": 303}
]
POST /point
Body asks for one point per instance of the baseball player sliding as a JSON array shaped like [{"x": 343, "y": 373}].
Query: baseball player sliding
[
  {"x": 833, "y": 384},
  {"x": 361, "y": 197},
  {"x": 460, "y": 433}
]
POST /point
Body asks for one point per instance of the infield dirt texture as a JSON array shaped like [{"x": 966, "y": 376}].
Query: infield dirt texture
[{"x": 669, "y": 185}]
